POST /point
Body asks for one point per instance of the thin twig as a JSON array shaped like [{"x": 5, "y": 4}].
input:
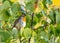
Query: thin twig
[{"x": 31, "y": 27}]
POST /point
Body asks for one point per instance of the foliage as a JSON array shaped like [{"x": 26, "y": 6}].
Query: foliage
[{"x": 46, "y": 22}]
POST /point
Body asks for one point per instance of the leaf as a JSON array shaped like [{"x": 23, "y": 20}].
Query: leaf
[
  {"x": 49, "y": 2},
  {"x": 6, "y": 5},
  {"x": 5, "y": 35},
  {"x": 15, "y": 8},
  {"x": 44, "y": 3},
  {"x": 14, "y": 33},
  {"x": 43, "y": 12},
  {"x": 51, "y": 29},
  {"x": 13, "y": 0},
  {"x": 30, "y": 6},
  {"x": 56, "y": 3},
  {"x": 6, "y": 15},
  {"x": 57, "y": 17},
  {"x": 27, "y": 33},
  {"x": 57, "y": 29}
]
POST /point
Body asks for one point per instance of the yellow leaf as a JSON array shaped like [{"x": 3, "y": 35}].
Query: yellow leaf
[
  {"x": 13, "y": 0},
  {"x": 56, "y": 2}
]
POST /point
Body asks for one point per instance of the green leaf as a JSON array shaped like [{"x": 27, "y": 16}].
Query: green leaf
[
  {"x": 51, "y": 29},
  {"x": 5, "y": 35},
  {"x": 49, "y": 2},
  {"x": 27, "y": 33},
  {"x": 57, "y": 17},
  {"x": 44, "y": 3},
  {"x": 57, "y": 29},
  {"x": 14, "y": 33},
  {"x": 6, "y": 5},
  {"x": 5, "y": 15},
  {"x": 30, "y": 6},
  {"x": 15, "y": 7}
]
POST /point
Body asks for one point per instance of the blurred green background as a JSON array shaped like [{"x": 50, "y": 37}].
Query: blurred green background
[{"x": 46, "y": 22}]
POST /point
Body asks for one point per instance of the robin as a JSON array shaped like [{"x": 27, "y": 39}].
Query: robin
[{"x": 20, "y": 22}]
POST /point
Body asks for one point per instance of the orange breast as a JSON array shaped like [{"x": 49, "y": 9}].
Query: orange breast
[{"x": 24, "y": 19}]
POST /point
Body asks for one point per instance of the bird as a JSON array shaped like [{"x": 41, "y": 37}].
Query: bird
[{"x": 20, "y": 22}]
